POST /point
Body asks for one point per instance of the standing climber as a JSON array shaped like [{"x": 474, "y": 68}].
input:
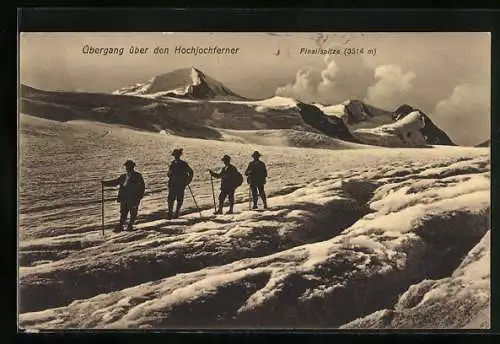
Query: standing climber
[
  {"x": 180, "y": 175},
  {"x": 129, "y": 195},
  {"x": 231, "y": 179},
  {"x": 256, "y": 173}
]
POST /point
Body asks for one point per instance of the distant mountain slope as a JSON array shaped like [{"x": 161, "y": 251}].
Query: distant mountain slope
[
  {"x": 192, "y": 118},
  {"x": 288, "y": 138},
  {"x": 188, "y": 83},
  {"x": 136, "y": 112},
  {"x": 357, "y": 114},
  {"x": 486, "y": 143},
  {"x": 376, "y": 126},
  {"x": 203, "y": 110}
]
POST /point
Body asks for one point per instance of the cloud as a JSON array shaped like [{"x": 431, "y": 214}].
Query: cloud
[
  {"x": 314, "y": 85},
  {"x": 349, "y": 78},
  {"x": 330, "y": 72},
  {"x": 340, "y": 79},
  {"x": 391, "y": 88},
  {"x": 328, "y": 84},
  {"x": 305, "y": 85},
  {"x": 465, "y": 114}
]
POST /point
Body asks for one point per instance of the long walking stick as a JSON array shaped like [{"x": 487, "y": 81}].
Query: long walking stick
[
  {"x": 194, "y": 199},
  {"x": 213, "y": 191},
  {"x": 249, "y": 198},
  {"x": 102, "y": 208}
]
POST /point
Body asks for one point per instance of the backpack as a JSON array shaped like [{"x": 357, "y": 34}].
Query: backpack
[
  {"x": 178, "y": 174},
  {"x": 238, "y": 179},
  {"x": 231, "y": 178}
]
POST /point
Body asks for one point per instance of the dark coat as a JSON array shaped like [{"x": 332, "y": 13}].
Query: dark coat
[
  {"x": 227, "y": 176},
  {"x": 179, "y": 174},
  {"x": 256, "y": 173},
  {"x": 133, "y": 191}
]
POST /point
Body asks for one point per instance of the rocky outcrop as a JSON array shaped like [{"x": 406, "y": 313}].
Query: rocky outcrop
[
  {"x": 406, "y": 132},
  {"x": 329, "y": 125},
  {"x": 431, "y": 133},
  {"x": 356, "y": 111}
]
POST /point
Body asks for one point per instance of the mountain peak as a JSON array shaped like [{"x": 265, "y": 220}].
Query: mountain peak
[
  {"x": 198, "y": 71},
  {"x": 197, "y": 76},
  {"x": 191, "y": 83}
]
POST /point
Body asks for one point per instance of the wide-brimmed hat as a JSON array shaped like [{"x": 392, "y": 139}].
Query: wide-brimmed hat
[
  {"x": 129, "y": 163},
  {"x": 226, "y": 157},
  {"x": 177, "y": 152},
  {"x": 256, "y": 153}
]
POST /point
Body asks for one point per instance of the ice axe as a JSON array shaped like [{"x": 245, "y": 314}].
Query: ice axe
[
  {"x": 249, "y": 197},
  {"x": 213, "y": 191},
  {"x": 194, "y": 199}
]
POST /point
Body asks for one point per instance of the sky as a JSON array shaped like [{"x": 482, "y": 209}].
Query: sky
[{"x": 446, "y": 75}]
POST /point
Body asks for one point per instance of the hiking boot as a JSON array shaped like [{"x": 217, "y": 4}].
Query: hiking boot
[
  {"x": 218, "y": 212},
  {"x": 254, "y": 206},
  {"x": 130, "y": 227},
  {"x": 169, "y": 216},
  {"x": 230, "y": 211},
  {"x": 176, "y": 215}
]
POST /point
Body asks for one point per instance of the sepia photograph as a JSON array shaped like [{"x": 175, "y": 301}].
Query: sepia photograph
[{"x": 256, "y": 180}]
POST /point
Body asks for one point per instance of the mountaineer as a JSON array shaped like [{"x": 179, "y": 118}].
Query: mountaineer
[
  {"x": 180, "y": 175},
  {"x": 231, "y": 179},
  {"x": 130, "y": 194},
  {"x": 256, "y": 173}
]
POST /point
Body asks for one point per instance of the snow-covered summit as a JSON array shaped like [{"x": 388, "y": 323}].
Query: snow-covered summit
[
  {"x": 405, "y": 127},
  {"x": 189, "y": 83}
]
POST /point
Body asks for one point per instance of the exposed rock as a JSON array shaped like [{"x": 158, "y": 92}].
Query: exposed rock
[{"x": 432, "y": 134}]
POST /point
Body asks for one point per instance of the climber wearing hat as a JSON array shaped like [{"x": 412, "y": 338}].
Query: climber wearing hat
[
  {"x": 129, "y": 195},
  {"x": 229, "y": 176},
  {"x": 256, "y": 173},
  {"x": 180, "y": 175}
]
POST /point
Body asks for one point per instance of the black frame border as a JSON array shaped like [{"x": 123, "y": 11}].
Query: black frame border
[{"x": 273, "y": 20}]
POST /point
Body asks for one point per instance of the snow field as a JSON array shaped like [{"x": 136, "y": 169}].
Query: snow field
[{"x": 329, "y": 251}]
